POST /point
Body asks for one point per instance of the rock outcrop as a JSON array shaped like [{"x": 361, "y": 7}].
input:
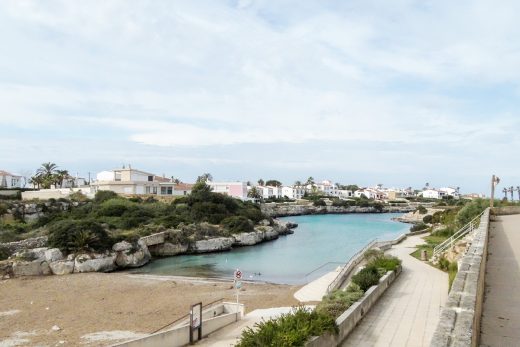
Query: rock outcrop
[
  {"x": 213, "y": 245},
  {"x": 128, "y": 255},
  {"x": 283, "y": 210},
  {"x": 168, "y": 249},
  {"x": 95, "y": 262},
  {"x": 62, "y": 267},
  {"x": 36, "y": 267}
]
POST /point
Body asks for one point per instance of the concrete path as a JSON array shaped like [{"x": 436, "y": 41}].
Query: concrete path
[
  {"x": 408, "y": 313},
  {"x": 315, "y": 290},
  {"x": 500, "y": 325}
]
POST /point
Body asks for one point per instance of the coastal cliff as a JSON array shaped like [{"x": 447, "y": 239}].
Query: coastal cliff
[{"x": 283, "y": 210}]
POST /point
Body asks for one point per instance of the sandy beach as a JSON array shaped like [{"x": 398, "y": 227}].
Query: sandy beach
[{"x": 97, "y": 309}]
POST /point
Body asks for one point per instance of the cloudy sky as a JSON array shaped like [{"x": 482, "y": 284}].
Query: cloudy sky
[{"x": 394, "y": 92}]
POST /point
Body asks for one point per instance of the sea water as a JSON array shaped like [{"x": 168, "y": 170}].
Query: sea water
[{"x": 319, "y": 244}]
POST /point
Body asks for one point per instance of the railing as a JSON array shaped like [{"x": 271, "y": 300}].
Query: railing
[
  {"x": 457, "y": 236},
  {"x": 348, "y": 266},
  {"x": 186, "y": 316}
]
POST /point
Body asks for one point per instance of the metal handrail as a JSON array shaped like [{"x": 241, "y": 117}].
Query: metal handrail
[
  {"x": 187, "y": 315},
  {"x": 459, "y": 234},
  {"x": 347, "y": 266}
]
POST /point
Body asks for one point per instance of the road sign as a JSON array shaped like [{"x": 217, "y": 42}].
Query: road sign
[
  {"x": 238, "y": 284},
  {"x": 238, "y": 274},
  {"x": 196, "y": 322}
]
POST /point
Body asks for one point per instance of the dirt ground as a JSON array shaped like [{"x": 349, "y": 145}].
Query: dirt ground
[{"x": 98, "y": 309}]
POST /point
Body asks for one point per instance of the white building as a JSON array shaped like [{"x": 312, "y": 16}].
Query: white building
[
  {"x": 9, "y": 180},
  {"x": 370, "y": 193},
  {"x": 132, "y": 181},
  {"x": 267, "y": 192},
  {"x": 326, "y": 187},
  {"x": 345, "y": 194},
  {"x": 234, "y": 189},
  {"x": 432, "y": 194}
]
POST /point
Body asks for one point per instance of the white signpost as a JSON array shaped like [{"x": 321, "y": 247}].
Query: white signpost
[
  {"x": 237, "y": 275},
  {"x": 196, "y": 321}
]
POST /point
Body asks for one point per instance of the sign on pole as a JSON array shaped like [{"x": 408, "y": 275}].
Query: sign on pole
[
  {"x": 196, "y": 321},
  {"x": 238, "y": 284}
]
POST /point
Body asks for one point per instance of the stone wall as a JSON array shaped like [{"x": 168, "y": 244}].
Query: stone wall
[
  {"x": 355, "y": 313},
  {"x": 35, "y": 242},
  {"x": 506, "y": 210},
  {"x": 459, "y": 323}
]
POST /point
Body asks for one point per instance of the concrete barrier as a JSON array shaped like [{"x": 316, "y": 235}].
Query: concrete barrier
[
  {"x": 459, "y": 324},
  {"x": 212, "y": 319},
  {"x": 506, "y": 210},
  {"x": 355, "y": 313}
]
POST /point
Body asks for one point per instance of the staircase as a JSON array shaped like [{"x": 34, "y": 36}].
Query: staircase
[{"x": 447, "y": 244}]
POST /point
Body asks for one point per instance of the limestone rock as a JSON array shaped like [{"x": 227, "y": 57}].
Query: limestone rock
[
  {"x": 53, "y": 254},
  {"x": 248, "y": 239},
  {"x": 212, "y": 245},
  {"x": 31, "y": 254},
  {"x": 168, "y": 249},
  {"x": 31, "y": 268},
  {"x": 133, "y": 257},
  {"x": 94, "y": 263},
  {"x": 122, "y": 246},
  {"x": 62, "y": 267}
]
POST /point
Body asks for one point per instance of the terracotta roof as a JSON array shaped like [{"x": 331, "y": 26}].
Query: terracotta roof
[
  {"x": 5, "y": 173},
  {"x": 183, "y": 186}
]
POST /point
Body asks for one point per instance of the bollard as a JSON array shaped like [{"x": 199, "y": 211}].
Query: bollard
[{"x": 424, "y": 255}]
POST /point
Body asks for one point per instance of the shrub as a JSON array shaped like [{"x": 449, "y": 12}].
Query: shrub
[
  {"x": 428, "y": 219},
  {"x": 104, "y": 195},
  {"x": 115, "y": 207},
  {"x": 292, "y": 329},
  {"x": 418, "y": 227},
  {"x": 78, "y": 196},
  {"x": 387, "y": 263},
  {"x": 337, "y": 302},
  {"x": 421, "y": 209},
  {"x": 366, "y": 278},
  {"x": 4, "y": 253},
  {"x": 3, "y": 209},
  {"x": 319, "y": 202},
  {"x": 238, "y": 224},
  {"x": 72, "y": 235}
]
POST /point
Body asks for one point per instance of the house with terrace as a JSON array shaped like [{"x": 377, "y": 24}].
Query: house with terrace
[{"x": 9, "y": 180}]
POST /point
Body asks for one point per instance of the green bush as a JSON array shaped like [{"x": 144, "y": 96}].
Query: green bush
[
  {"x": 292, "y": 329},
  {"x": 72, "y": 236},
  {"x": 470, "y": 211},
  {"x": 366, "y": 278},
  {"x": 422, "y": 210},
  {"x": 337, "y": 302},
  {"x": 238, "y": 224},
  {"x": 387, "y": 263},
  {"x": 104, "y": 195},
  {"x": 428, "y": 219},
  {"x": 4, "y": 253},
  {"x": 3, "y": 209},
  {"x": 418, "y": 227},
  {"x": 115, "y": 207},
  {"x": 319, "y": 202}
]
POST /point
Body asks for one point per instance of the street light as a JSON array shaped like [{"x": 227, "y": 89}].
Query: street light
[{"x": 494, "y": 181}]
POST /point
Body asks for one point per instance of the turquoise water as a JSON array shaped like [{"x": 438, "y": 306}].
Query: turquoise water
[{"x": 319, "y": 244}]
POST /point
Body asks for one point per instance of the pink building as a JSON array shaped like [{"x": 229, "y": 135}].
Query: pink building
[{"x": 235, "y": 189}]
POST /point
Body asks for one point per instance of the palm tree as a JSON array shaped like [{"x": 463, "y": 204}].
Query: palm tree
[
  {"x": 36, "y": 180},
  {"x": 261, "y": 182},
  {"x": 310, "y": 180},
  {"x": 511, "y": 190},
  {"x": 298, "y": 183},
  {"x": 176, "y": 180},
  {"x": 47, "y": 169},
  {"x": 60, "y": 176},
  {"x": 205, "y": 177},
  {"x": 505, "y": 193}
]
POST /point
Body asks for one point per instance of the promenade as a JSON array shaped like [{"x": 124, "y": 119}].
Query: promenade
[
  {"x": 500, "y": 325},
  {"x": 408, "y": 313}
]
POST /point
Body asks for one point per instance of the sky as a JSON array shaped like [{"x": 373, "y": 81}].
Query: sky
[{"x": 393, "y": 92}]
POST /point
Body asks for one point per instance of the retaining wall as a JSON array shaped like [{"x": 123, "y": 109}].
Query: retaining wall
[
  {"x": 180, "y": 335},
  {"x": 355, "y": 313},
  {"x": 506, "y": 210},
  {"x": 459, "y": 324}
]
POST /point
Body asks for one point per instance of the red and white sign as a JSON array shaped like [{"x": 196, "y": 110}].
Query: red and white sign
[{"x": 238, "y": 274}]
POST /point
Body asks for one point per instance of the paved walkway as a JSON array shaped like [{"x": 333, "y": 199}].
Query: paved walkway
[
  {"x": 500, "y": 325},
  {"x": 315, "y": 290},
  {"x": 407, "y": 314}
]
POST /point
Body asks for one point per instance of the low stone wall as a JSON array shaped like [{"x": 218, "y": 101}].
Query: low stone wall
[
  {"x": 180, "y": 335},
  {"x": 459, "y": 324},
  {"x": 355, "y": 313},
  {"x": 35, "y": 242},
  {"x": 506, "y": 210}
]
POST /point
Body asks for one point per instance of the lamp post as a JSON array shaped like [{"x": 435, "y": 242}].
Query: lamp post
[
  {"x": 494, "y": 181},
  {"x": 511, "y": 190}
]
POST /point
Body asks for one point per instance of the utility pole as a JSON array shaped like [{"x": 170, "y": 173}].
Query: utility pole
[{"x": 494, "y": 181}]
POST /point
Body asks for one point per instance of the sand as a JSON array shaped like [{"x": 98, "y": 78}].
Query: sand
[{"x": 98, "y": 309}]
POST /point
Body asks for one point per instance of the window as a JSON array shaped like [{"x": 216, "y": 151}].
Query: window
[
  {"x": 155, "y": 190},
  {"x": 147, "y": 190},
  {"x": 163, "y": 190},
  {"x": 150, "y": 178},
  {"x": 170, "y": 190}
]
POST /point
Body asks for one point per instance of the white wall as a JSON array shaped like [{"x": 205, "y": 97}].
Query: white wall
[{"x": 105, "y": 176}]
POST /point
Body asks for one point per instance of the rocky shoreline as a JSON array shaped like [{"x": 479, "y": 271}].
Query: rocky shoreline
[
  {"x": 32, "y": 257},
  {"x": 286, "y": 210}
]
